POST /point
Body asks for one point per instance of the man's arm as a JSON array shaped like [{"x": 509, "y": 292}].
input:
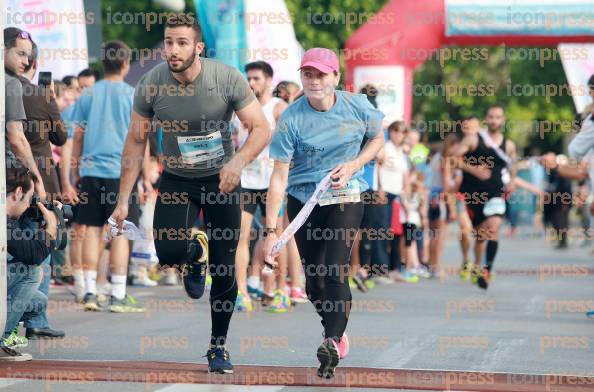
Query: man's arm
[
  {"x": 58, "y": 133},
  {"x": 26, "y": 248},
  {"x": 510, "y": 148},
  {"x": 259, "y": 137},
  {"x": 583, "y": 141},
  {"x": 21, "y": 148},
  {"x": 77, "y": 146},
  {"x": 259, "y": 133},
  {"x": 279, "y": 109},
  {"x": 133, "y": 156}
]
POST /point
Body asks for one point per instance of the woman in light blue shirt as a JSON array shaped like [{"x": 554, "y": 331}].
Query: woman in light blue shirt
[{"x": 322, "y": 133}]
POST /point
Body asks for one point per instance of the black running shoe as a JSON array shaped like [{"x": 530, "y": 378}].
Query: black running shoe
[
  {"x": 484, "y": 279},
  {"x": 194, "y": 272},
  {"x": 90, "y": 302},
  {"x": 219, "y": 361},
  {"x": 328, "y": 355}
]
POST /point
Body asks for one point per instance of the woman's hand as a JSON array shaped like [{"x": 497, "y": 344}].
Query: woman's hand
[
  {"x": 342, "y": 174},
  {"x": 269, "y": 242}
]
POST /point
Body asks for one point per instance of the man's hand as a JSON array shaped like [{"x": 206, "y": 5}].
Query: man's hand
[
  {"x": 230, "y": 174},
  {"x": 382, "y": 197},
  {"x": 51, "y": 222},
  {"x": 69, "y": 194},
  {"x": 549, "y": 160},
  {"x": 120, "y": 214},
  {"x": 342, "y": 174},
  {"x": 40, "y": 189}
]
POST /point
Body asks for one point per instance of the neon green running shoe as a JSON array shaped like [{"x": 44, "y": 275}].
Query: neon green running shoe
[
  {"x": 14, "y": 340},
  {"x": 126, "y": 305}
]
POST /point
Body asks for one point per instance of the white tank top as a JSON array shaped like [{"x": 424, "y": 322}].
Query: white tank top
[
  {"x": 257, "y": 174},
  {"x": 391, "y": 173}
]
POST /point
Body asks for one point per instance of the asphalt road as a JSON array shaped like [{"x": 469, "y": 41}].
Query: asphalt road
[{"x": 531, "y": 320}]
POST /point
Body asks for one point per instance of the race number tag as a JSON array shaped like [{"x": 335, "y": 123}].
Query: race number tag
[
  {"x": 197, "y": 149},
  {"x": 349, "y": 194},
  {"x": 495, "y": 206}
]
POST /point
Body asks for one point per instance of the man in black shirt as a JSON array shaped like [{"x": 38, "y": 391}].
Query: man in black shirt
[{"x": 488, "y": 174}]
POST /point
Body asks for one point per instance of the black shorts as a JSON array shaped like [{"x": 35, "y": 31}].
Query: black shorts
[
  {"x": 410, "y": 233},
  {"x": 98, "y": 198},
  {"x": 476, "y": 211},
  {"x": 252, "y": 198}
]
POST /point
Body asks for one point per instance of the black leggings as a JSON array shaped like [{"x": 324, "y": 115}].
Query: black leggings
[
  {"x": 178, "y": 206},
  {"x": 325, "y": 242}
]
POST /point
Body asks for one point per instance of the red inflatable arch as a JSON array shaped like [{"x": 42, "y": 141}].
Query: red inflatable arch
[{"x": 405, "y": 33}]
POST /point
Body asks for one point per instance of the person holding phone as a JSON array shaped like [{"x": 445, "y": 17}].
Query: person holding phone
[
  {"x": 321, "y": 133},
  {"x": 44, "y": 125}
]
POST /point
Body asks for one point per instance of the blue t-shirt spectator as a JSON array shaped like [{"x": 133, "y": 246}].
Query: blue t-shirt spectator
[
  {"x": 104, "y": 112},
  {"x": 67, "y": 117},
  {"x": 317, "y": 142}
]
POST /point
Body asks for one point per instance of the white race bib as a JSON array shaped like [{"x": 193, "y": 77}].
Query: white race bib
[
  {"x": 197, "y": 149},
  {"x": 495, "y": 206},
  {"x": 349, "y": 194}
]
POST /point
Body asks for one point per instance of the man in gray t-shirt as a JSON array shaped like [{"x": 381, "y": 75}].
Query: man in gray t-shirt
[
  {"x": 192, "y": 99},
  {"x": 15, "y": 140},
  {"x": 194, "y": 117}
]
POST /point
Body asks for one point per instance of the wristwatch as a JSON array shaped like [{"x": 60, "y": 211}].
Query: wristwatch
[{"x": 268, "y": 230}]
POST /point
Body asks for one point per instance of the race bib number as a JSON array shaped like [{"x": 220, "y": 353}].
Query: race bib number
[
  {"x": 349, "y": 194},
  {"x": 198, "y": 149},
  {"x": 495, "y": 206}
]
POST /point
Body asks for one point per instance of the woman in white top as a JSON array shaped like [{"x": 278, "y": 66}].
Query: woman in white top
[{"x": 393, "y": 181}]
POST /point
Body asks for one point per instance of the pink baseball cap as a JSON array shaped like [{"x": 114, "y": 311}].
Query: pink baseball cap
[{"x": 322, "y": 59}]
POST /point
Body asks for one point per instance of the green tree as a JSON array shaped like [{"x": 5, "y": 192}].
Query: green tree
[{"x": 517, "y": 82}]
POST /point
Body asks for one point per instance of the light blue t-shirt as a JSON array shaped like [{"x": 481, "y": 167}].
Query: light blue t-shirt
[
  {"x": 104, "y": 111},
  {"x": 67, "y": 117},
  {"x": 317, "y": 142}
]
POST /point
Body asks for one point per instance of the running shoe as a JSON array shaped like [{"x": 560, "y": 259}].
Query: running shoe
[
  {"x": 352, "y": 283},
  {"x": 90, "y": 303},
  {"x": 170, "y": 279},
  {"x": 475, "y": 273},
  {"x": 409, "y": 277},
  {"x": 194, "y": 272},
  {"x": 359, "y": 282},
  {"x": 103, "y": 292},
  {"x": 255, "y": 293},
  {"x": 343, "y": 346},
  {"x": 465, "y": 271},
  {"x": 298, "y": 295},
  {"x": 280, "y": 304},
  {"x": 328, "y": 355},
  {"x": 484, "y": 279},
  {"x": 590, "y": 314},
  {"x": 144, "y": 281},
  {"x": 369, "y": 283},
  {"x": 125, "y": 305},
  {"x": 383, "y": 280},
  {"x": 243, "y": 303},
  {"x": 8, "y": 354},
  {"x": 422, "y": 272},
  {"x": 15, "y": 341},
  {"x": 219, "y": 360},
  {"x": 79, "y": 293}
]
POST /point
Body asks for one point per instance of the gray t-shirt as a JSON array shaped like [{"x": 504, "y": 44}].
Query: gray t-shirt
[
  {"x": 195, "y": 118},
  {"x": 13, "y": 91}
]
